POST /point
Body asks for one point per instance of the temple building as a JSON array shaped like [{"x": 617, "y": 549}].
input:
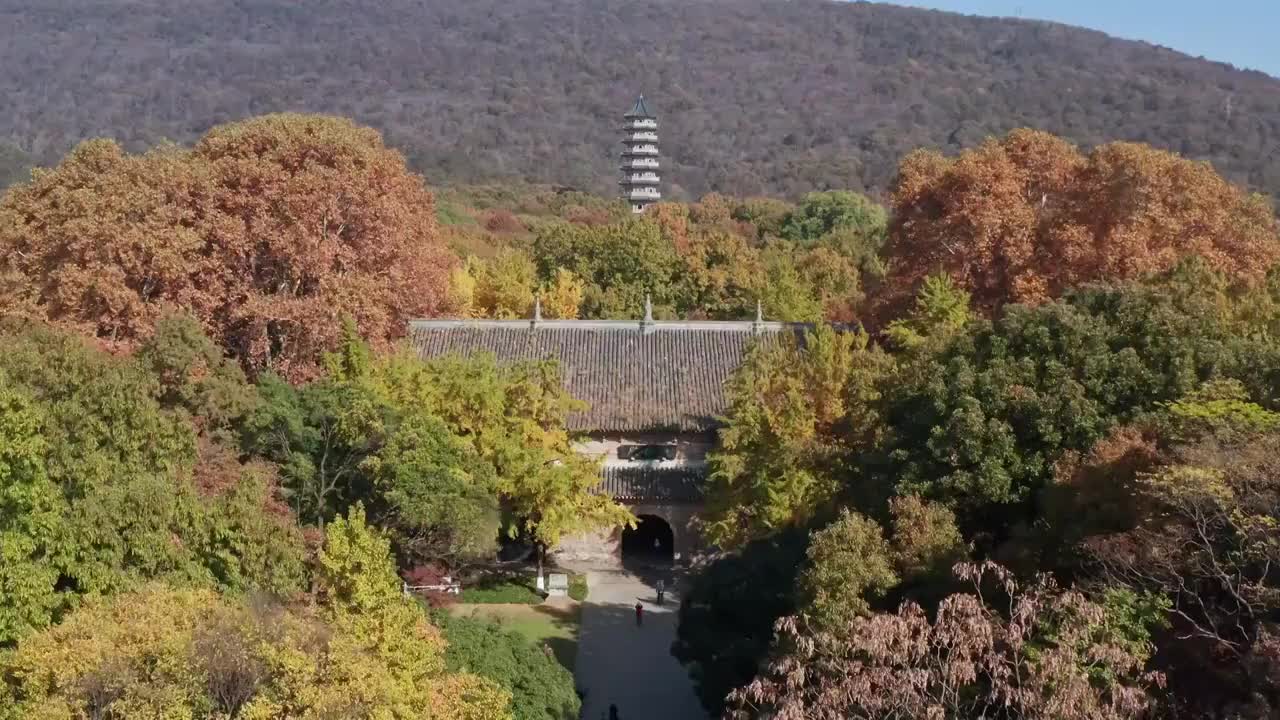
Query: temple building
[
  {"x": 640, "y": 177},
  {"x": 655, "y": 391}
]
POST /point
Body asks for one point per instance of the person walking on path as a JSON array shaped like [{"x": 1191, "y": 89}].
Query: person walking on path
[
  {"x": 639, "y": 613},
  {"x": 613, "y": 712},
  {"x": 661, "y": 588}
]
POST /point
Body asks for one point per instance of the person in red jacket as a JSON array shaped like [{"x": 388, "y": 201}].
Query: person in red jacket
[{"x": 639, "y": 613}]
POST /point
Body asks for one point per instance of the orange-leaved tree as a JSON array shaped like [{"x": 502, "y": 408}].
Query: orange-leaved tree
[
  {"x": 1024, "y": 217},
  {"x": 270, "y": 231}
]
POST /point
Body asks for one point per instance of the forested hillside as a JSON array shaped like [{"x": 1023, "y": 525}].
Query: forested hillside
[{"x": 756, "y": 96}]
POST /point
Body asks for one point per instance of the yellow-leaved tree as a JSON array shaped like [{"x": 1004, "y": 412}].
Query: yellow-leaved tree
[{"x": 363, "y": 651}]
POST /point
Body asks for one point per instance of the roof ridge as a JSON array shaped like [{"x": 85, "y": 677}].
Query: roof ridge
[{"x": 635, "y": 325}]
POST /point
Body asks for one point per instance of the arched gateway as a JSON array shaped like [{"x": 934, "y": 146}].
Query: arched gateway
[{"x": 655, "y": 391}]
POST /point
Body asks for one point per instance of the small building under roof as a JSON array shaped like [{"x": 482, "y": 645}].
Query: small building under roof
[{"x": 655, "y": 390}]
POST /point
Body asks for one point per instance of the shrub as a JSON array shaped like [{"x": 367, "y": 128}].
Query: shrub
[
  {"x": 578, "y": 587},
  {"x": 506, "y": 590}
]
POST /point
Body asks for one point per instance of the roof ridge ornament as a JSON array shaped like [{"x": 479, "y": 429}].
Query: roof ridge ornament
[
  {"x": 647, "y": 323},
  {"x": 758, "y": 325},
  {"x": 537, "y": 310}
]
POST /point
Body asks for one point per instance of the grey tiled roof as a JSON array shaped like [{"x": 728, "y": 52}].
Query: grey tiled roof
[
  {"x": 635, "y": 376},
  {"x": 649, "y": 483}
]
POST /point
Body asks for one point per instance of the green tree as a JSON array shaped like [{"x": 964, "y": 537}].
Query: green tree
[
  {"x": 844, "y": 221},
  {"x": 136, "y": 497},
  {"x": 620, "y": 263},
  {"x": 853, "y": 568},
  {"x": 786, "y": 294},
  {"x": 940, "y": 313},
  {"x": 195, "y": 376},
  {"x": 849, "y": 563},
  {"x": 319, "y": 434},
  {"x": 982, "y": 423},
  {"x": 31, "y": 518},
  {"x": 441, "y": 499}
]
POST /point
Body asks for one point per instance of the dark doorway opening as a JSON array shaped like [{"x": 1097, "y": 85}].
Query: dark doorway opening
[{"x": 651, "y": 540}]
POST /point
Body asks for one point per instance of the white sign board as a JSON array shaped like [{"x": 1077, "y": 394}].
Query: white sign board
[{"x": 557, "y": 584}]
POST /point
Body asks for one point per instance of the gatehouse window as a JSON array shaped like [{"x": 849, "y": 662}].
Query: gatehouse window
[{"x": 647, "y": 452}]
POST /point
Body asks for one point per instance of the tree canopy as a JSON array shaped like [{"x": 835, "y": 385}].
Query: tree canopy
[
  {"x": 270, "y": 231},
  {"x": 1024, "y": 217}
]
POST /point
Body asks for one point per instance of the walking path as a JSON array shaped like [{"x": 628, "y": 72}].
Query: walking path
[{"x": 631, "y": 666}]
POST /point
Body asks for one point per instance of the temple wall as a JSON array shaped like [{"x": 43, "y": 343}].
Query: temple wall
[
  {"x": 690, "y": 447},
  {"x": 605, "y": 547}
]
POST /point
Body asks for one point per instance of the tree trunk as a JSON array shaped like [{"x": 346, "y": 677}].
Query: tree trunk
[{"x": 541, "y": 583}]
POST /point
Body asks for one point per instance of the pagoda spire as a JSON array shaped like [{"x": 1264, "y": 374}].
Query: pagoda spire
[{"x": 640, "y": 179}]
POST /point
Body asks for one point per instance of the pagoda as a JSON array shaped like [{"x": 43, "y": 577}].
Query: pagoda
[{"x": 640, "y": 157}]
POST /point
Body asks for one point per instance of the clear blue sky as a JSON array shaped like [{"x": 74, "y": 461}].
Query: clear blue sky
[{"x": 1245, "y": 33}]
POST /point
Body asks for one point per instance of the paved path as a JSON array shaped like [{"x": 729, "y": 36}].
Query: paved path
[{"x": 631, "y": 666}]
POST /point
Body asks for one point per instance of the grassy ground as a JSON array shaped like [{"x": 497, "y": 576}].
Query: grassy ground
[{"x": 555, "y": 624}]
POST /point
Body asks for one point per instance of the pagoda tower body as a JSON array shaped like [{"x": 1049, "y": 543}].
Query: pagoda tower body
[{"x": 640, "y": 178}]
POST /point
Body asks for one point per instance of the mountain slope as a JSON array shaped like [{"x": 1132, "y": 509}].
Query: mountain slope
[{"x": 754, "y": 95}]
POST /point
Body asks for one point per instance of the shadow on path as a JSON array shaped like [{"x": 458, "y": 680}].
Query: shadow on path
[{"x": 629, "y": 665}]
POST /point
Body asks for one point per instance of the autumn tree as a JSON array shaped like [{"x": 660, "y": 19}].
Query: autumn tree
[
  {"x": 364, "y": 651},
  {"x": 766, "y": 215},
  {"x": 269, "y": 230},
  {"x": 512, "y": 419},
  {"x": 562, "y": 295},
  {"x": 108, "y": 261},
  {"x": 504, "y": 285},
  {"x": 1201, "y": 533},
  {"x": 725, "y": 275},
  {"x": 1034, "y": 652},
  {"x": 15, "y": 165},
  {"x": 798, "y": 408},
  {"x": 1024, "y": 217}
]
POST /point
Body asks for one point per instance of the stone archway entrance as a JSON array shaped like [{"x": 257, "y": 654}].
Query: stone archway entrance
[{"x": 652, "y": 540}]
